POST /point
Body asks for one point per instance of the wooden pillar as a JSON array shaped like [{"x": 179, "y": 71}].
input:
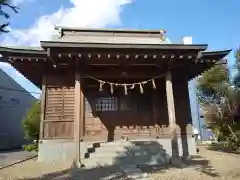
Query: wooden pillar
[
  {"x": 172, "y": 116},
  {"x": 79, "y": 116},
  {"x": 82, "y": 111},
  {"x": 43, "y": 100}
]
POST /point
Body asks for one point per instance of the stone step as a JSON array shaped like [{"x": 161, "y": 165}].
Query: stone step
[
  {"x": 90, "y": 163},
  {"x": 123, "y": 157},
  {"x": 135, "y": 155},
  {"x": 126, "y": 146},
  {"x": 109, "y": 161},
  {"x": 144, "y": 150},
  {"x": 133, "y": 143},
  {"x": 125, "y": 153},
  {"x": 116, "y": 143},
  {"x": 110, "y": 154},
  {"x": 126, "y": 161},
  {"x": 113, "y": 149}
]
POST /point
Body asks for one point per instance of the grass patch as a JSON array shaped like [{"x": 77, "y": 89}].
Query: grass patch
[{"x": 31, "y": 147}]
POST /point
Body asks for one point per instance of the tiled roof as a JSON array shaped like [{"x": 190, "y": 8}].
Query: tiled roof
[{"x": 104, "y": 39}]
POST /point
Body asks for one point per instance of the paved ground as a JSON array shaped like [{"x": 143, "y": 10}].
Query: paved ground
[
  {"x": 214, "y": 166},
  {"x": 9, "y": 157}
]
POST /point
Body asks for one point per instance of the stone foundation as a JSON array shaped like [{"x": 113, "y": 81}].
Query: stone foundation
[
  {"x": 56, "y": 150},
  {"x": 64, "y": 150}
]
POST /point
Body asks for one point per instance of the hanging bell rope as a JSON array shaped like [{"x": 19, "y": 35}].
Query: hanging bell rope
[
  {"x": 133, "y": 86},
  {"x": 101, "y": 83},
  {"x": 126, "y": 85},
  {"x": 141, "y": 88},
  {"x": 125, "y": 89},
  {"x": 153, "y": 84},
  {"x": 111, "y": 88}
]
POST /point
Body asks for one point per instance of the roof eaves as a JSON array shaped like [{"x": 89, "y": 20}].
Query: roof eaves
[
  {"x": 214, "y": 53},
  {"x": 108, "y": 30},
  {"x": 22, "y": 49},
  {"x": 200, "y": 47}
]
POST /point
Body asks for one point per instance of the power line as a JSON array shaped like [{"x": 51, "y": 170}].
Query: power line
[
  {"x": 2, "y": 106},
  {"x": 18, "y": 90}
]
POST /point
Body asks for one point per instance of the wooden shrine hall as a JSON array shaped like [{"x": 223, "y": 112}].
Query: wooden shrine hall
[{"x": 113, "y": 88}]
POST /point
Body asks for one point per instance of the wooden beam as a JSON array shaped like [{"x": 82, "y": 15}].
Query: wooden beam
[
  {"x": 112, "y": 64},
  {"x": 26, "y": 58},
  {"x": 116, "y": 55},
  {"x": 115, "y": 76},
  {"x": 82, "y": 107},
  {"x": 43, "y": 102},
  {"x": 172, "y": 117},
  {"x": 77, "y": 124},
  {"x": 50, "y": 58}
]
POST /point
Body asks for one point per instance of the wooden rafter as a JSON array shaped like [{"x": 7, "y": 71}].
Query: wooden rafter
[
  {"x": 192, "y": 56},
  {"x": 50, "y": 58}
]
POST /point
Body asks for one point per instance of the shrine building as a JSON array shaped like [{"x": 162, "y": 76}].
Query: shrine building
[{"x": 109, "y": 92}]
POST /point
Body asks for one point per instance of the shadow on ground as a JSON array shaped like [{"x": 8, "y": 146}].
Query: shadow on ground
[
  {"x": 220, "y": 147},
  {"x": 114, "y": 172},
  {"x": 198, "y": 163}
]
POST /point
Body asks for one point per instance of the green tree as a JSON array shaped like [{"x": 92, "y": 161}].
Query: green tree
[
  {"x": 4, "y": 4},
  {"x": 208, "y": 84},
  {"x": 220, "y": 99},
  {"x": 236, "y": 78},
  {"x": 31, "y": 124}
]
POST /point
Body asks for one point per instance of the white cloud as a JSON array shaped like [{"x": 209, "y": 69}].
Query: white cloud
[{"x": 83, "y": 13}]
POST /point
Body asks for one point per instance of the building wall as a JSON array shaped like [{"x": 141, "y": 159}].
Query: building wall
[
  {"x": 112, "y": 117},
  {"x": 13, "y": 108},
  {"x": 58, "y": 143}
]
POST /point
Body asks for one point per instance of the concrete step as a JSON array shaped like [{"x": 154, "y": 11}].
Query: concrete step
[
  {"x": 143, "y": 150},
  {"x": 125, "y": 153},
  {"x": 129, "y": 145},
  {"x": 101, "y": 162},
  {"x": 108, "y": 149},
  {"x": 92, "y": 163},
  {"x": 110, "y": 161},
  {"x": 110, "y": 154},
  {"x": 127, "y": 160},
  {"x": 116, "y": 143}
]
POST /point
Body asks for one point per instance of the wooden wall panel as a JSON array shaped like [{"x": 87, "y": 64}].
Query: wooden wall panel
[
  {"x": 59, "y": 107},
  {"x": 137, "y": 116},
  {"x": 58, "y": 129}
]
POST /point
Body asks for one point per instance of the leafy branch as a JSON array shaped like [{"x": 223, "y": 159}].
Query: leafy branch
[{"x": 5, "y": 15}]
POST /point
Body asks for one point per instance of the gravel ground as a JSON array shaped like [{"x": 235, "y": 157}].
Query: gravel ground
[
  {"x": 33, "y": 170},
  {"x": 214, "y": 165},
  {"x": 211, "y": 165}
]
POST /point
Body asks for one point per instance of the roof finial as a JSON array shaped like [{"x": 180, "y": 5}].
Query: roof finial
[
  {"x": 162, "y": 35},
  {"x": 187, "y": 40},
  {"x": 60, "y": 32}
]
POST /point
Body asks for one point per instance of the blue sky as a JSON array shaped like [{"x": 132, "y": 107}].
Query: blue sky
[{"x": 215, "y": 22}]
